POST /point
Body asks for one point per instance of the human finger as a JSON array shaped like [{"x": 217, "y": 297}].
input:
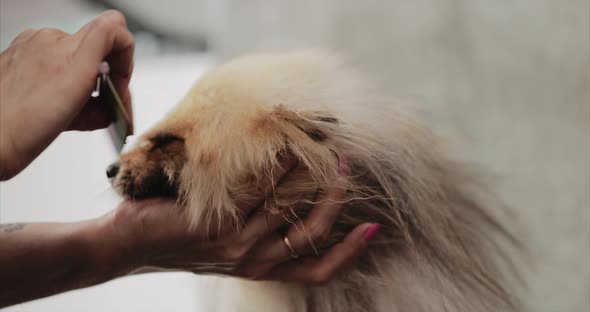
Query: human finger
[
  {"x": 105, "y": 38},
  {"x": 303, "y": 237},
  {"x": 94, "y": 115},
  {"x": 261, "y": 187},
  {"x": 314, "y": 270},
  {"x": 24, "y": 36}
]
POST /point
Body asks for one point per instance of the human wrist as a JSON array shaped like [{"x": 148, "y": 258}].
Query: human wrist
[{"x": 108, "y": 248}]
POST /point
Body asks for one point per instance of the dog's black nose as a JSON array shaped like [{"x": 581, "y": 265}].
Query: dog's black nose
[{"x": 112, "y": 170}]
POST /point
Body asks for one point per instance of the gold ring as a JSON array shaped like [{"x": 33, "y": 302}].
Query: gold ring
[{"x": 294, "y": 255}]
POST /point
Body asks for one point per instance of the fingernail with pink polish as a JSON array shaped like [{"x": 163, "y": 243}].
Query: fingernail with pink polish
[
  {"x": 104, "y": 68},
  {"x": 343, "y": 164},
  {"x": 372, "y": 231}
]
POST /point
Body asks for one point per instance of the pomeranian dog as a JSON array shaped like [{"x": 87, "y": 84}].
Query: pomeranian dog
[{"x": 440, "y": 247}]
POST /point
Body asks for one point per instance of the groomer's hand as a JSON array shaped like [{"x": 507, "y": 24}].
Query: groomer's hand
[
  {"x": 154, "y": 234},
  {"x": 46, "y": 78}
]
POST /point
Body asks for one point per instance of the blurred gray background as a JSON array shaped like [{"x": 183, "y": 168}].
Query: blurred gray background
[{"x": 507, "y": 83}]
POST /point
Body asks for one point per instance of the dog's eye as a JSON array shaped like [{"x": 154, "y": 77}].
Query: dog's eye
[
  {"x": 327, "y": 119},
  {"x": 163, "y": 140}
]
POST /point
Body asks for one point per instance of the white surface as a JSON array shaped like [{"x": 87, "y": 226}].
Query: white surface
[{"x": 67, "y": 182}]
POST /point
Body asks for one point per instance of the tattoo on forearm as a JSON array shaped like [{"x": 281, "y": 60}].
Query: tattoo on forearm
[{"x": 11, "y": 227}]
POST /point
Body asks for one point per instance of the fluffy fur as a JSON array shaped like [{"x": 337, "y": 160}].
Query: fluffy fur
[{"x": 440, "y": 247}]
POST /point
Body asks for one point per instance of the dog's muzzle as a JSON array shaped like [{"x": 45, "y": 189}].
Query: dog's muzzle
[{"x": 112, "y": 170}]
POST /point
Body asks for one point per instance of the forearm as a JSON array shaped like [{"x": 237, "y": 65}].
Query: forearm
[{"x": 42, "y": 259}]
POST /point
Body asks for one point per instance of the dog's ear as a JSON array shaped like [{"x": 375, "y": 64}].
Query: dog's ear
[
  {"x": 312, "y": 136},
  {"x": 314, "y": 124}
]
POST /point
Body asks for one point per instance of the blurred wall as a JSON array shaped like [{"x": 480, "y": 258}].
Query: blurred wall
[{"x": 509, "y": 84}]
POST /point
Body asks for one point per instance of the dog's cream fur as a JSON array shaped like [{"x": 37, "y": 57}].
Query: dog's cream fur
[{"x": 440, "y": 247}]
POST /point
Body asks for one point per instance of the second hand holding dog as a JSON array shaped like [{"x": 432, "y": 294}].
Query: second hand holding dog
[{"x": 149, "y": 245}]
